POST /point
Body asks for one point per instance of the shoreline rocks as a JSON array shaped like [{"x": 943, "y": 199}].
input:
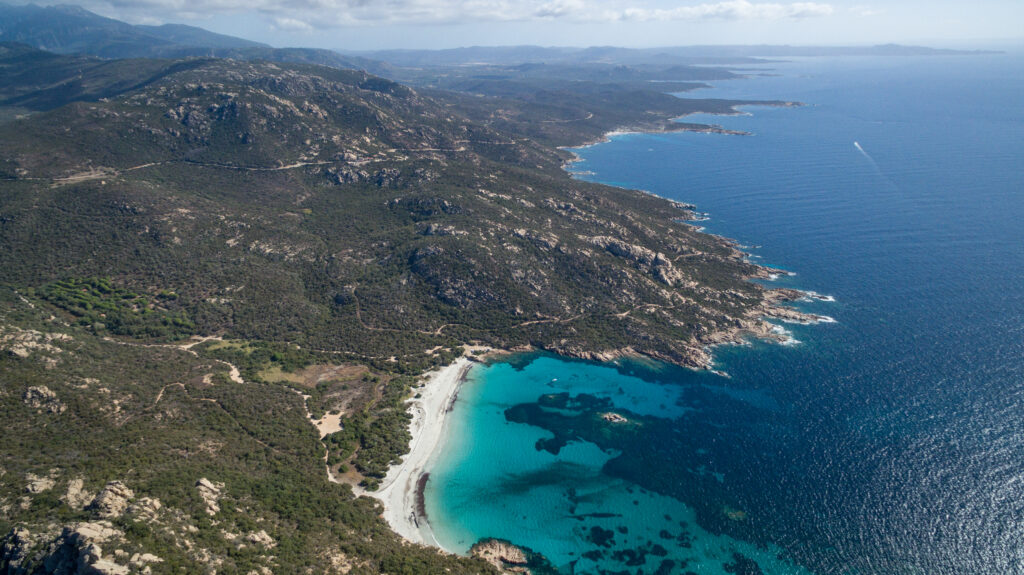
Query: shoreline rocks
[
  {"x": 502, "y": 554},
  {"x": 612, "y": 417},
  {"x": 509, "y": 558}
]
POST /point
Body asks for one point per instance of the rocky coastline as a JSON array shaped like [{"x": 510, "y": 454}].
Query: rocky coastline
[
  {"x": 406, "y": 510},
  {"x": 511, "y": 559},
  {"x": 675, "y": 125}
]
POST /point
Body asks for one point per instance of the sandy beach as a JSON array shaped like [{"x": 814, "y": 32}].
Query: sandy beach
[{"x": 398, "y": 489}]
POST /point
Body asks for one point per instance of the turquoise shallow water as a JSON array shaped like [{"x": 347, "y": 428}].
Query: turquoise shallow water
[
  {"x": 494, "y": 480},
  {"x": 889, "y": 442}
]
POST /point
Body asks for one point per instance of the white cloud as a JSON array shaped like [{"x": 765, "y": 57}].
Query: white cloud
[
  {"x": 560, "y": 8},
  {"x": 308, "y": 14},
  {"x": 733, "y": 10},
  {"x": 291, "y": 24}
]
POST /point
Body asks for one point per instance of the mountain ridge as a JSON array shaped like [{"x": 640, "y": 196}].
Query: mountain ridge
[{"x": 69, "y": 29}]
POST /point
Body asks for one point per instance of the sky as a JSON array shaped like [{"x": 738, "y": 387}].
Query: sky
[{"x": 352, "y": 25}]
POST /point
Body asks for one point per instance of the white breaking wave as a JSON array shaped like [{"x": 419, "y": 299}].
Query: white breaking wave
[
  {"x": 785, "y": 334},
  {"x": 813, "y": 295}
]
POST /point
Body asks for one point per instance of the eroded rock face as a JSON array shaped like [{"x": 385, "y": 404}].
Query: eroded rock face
[
  {"x": 647, "y": 259},
  {"x": 38, "y": 484},
  {"x": 44, "y": 399},
  {"x": 141, "y": 561},
  {"x": 543, "y": 240},
  {"x": 76, "y": 496},
  {"x": 145, "y": 509},
  {"x": 261, "y": 538},
  {"x": 625, "y": 250},
  {"x": 210, "y": 492},
  {"x": 113, "y": 500},
  {"x": 441, "y": 230},
  {"x": 24, "y": 342},
  {"x": 387, "y": 177},
  {"x": 346, "y": 175},
  {"x": 76, "y": 550},
  {"x": 15, "y": 549}
]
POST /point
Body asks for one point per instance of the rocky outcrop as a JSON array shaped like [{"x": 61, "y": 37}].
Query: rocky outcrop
[
  {"x": 387, "y": 177},
  {"x": 145, "y": 509},
  {"x": 78, "y": 549},
  {"x": 261, "y": 538},
  {"x": 426, "y": 207},
  {"x": 254, "y": 538},
  {"x": 789, "y": 314},
  {"x": 76, "y": 497},
  {"x": 770, "y": 307},
  {"x": 15, "y": 549},
  {"x": 38, "y": 484},
  {"x": 612, "y": 417},
  {"x": 141, "y": 562},
  {"x": 442, "y": 230},
  {"x": 654, "y": 263},
  {"x": 43, "y": 399},
  {"x": 24, "y": 342},
  {"x": 506, "y": 557},
  {"x": 693, "y": 356},
  {"x": 113, "y": 500},
  {"x": 346, "y": 175},
  {"x": 434, "y": 265},
  {"x": 543, "y": 240},
  {"x": 340, "y": 563},
  {"x": 210, "y": 493}
]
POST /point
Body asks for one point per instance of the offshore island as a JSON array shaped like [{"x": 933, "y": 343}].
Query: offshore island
[{"x": 202, "y": 254}]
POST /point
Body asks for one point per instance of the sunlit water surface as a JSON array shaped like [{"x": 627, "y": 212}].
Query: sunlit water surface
[{"x": 889, "y": 442}]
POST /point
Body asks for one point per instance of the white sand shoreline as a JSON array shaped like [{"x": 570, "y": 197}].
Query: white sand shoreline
[{"x": 397, "y": 491}]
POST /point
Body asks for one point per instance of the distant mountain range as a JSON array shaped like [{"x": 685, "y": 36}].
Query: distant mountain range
[
  {"x": 666, "y": 56},
  {"x": 73, "y": 30},
  {"x": 66, "y": 29},
  {"x": 680, "y": 55},
  {"x": 70, "y": 29}
]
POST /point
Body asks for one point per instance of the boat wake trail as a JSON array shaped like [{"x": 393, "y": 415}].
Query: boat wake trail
[{"x": 874, "y": 164}]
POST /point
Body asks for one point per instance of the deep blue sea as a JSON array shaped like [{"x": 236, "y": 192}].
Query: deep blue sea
[{"x": 890, "y": 442}]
